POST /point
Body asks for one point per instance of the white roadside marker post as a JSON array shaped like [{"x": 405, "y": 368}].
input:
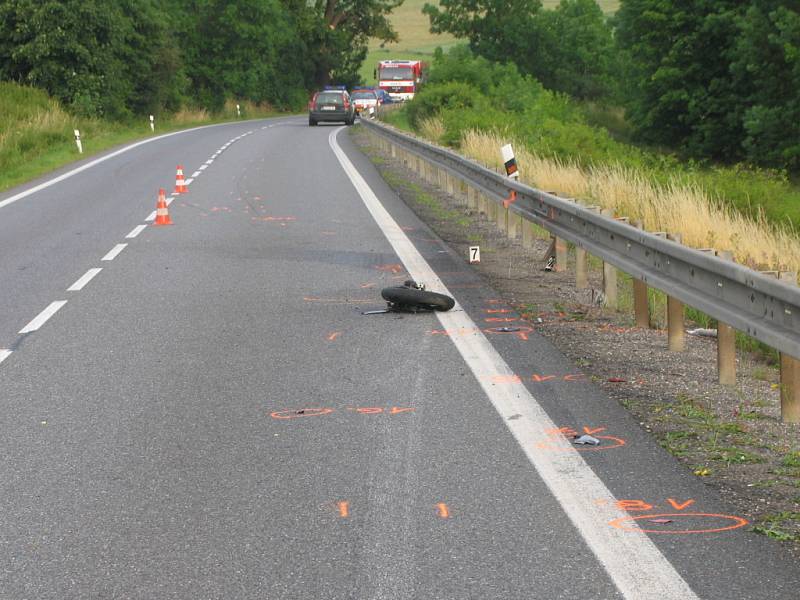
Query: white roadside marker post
[
  {"x": 238, "y": 112},
  {"x": 152, "y": 124},
  {"x": 509, "y": 161},
  {"x": 78, "y": 141}
]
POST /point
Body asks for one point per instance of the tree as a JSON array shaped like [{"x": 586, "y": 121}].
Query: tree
[
  {"x": 767, "y": 55},
  {"x": 499, "y": 30},
  {"x": 576, "y": 53},
  {"x": 683, "y": 94}
]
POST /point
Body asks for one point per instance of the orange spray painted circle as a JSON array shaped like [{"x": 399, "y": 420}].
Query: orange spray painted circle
[
  {"x": 736, "y": 523},
  {"x": 615, "y": 443},
  {"x": 303, "y": 412}
]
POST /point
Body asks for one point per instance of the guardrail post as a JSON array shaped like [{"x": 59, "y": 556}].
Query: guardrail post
[
  {"x": 451, "y": 188},
  {"x": 676, "y": 337},
  {"x": 726, "y": 344},
  {"x": 527, "y": 233},
  {"x": 609, "y": 274},
  {"x": 394, "y": 150},
  {"x": 561, "y": 254},
  {"x": 790, "y": 373},
  {"x": 471, "y": 201},
  {"x": 501, "y": 216},
  {"x": 581, "y": 269},
  {"x": 641, "y": 304}
]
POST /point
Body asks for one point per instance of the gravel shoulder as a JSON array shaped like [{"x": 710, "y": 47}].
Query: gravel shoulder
[{"x": 731, "y": 437}]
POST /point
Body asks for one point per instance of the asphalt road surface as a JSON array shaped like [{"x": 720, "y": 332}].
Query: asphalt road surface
[{"x": 201, "y": 410}]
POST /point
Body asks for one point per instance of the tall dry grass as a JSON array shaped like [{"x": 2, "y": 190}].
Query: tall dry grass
[{"x": 703, "y": 220}]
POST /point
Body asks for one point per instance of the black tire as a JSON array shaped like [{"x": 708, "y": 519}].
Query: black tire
[
  {"x": 405, "y": 298},
  {"x": 311, "y": 122},
  {"x": 350, "y": 121}
]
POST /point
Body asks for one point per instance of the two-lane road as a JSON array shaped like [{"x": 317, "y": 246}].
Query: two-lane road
[{"x": 212, "y": 416}]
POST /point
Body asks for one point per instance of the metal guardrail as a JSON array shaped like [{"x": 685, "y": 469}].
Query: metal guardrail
[{"x": 758, "y": 305}]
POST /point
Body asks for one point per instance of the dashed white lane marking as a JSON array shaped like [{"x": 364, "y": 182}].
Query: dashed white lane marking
[
  {"x": 4, "y": 354},
  {"x": 43, "y": 316},
  {"x": 112, "y": 254},
  {"x": 209, "y": 161},
  {"x": 631, "y": 559},
  {"x": 86, "y": 278},
  {"x": 170, "y": 199},
  {"x": 197, "y": 174},
  {"x": 151, "y": 216},
  {"x": 97, "y": 161},
  {"x": 202, "y": 168},
  {"x": 137, "y": 230},
  {"x": 188, "y": 181}
]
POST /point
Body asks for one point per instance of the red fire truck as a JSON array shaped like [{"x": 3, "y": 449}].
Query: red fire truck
[{"x": 400, "y": 78}]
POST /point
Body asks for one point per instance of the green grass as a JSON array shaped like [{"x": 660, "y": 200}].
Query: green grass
[{"x": 36, "y": 134}]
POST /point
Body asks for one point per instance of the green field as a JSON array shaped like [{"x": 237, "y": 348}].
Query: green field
[{"x": 416, "y": 41}]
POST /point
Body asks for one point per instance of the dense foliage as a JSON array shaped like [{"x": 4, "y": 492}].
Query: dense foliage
[
  {"x": 115, "y": 58},
  {"x": 718, "y": 79},
  {"x": 569, "y": 49}
]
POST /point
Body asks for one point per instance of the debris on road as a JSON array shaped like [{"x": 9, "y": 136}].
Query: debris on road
[
  {"x": 585, "y": 440},
  {"x": 660, "y": 521},
  {"x": 506, "y": 329},
  {"x": 701, "y": 332}
]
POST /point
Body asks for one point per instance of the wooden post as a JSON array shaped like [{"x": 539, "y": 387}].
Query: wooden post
[
  {"x": 527, "y": 233},
  {"x": 581, "y": 269},
  {"x": 394, "y": 151},
  {"x": 676, "y": 336},
  {"x": 501, "y": 216},
  {"x": 641, "y": 305},
  {"x": 451, "y": 188},
  {"x": 790, "y": 373},
  {"x": 471, "y": 201},
  {"x": 561, "y": 255},
  {"x": 609, "y": 274},
  {"x": 726, "y": 344},
  {"x": 513, "y": 222},
  {"x": 483, "y": 204}
]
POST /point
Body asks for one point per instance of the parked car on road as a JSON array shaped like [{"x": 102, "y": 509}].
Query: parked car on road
[{"x": 331, "y": 104}]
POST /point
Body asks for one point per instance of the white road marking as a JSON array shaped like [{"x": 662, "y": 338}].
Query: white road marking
[
  {"x": 43, "y": 316},
  {"x": 86, "y": 278},
  {"x": 138, "y": 229},
  {"x": 95, "y": 162},
  {"x": 4, "y": 354},
  {"x": 151, "y": 216},
  {"x": 633, "y": 562},
  {"x": 170, "y": 199},
  {"x": 188, "y": 181},
  {"x": 202, "y": 168},
  {"x": 209, "y": 161},
  {"x": 197, "y": 174},
  {"x": 112, "y": 254}
]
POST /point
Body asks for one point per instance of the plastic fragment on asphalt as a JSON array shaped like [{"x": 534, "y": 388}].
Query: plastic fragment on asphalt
[
  {"x": 586, "y": 440},
  {"x": 376, "y": 312},
  {"x": 506, "y": 329},
  {"x": 660, "y": 521}
]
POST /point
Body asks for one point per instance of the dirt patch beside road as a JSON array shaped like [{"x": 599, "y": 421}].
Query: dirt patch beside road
[{"x": 732, "y": 437}]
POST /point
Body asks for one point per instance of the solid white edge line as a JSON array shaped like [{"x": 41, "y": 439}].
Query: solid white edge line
[
  {"x": 85, "y": 278},
  {"x": 97, "y": 161},
  {"x": 631, "y": 559},
  {"x": 4, "y": 354},
  {"x": 137, "y": 230},
  {"x": 112, "y": 254},
  {"x": 151, "y": 216},
  {"x": 43, "y": 316}
]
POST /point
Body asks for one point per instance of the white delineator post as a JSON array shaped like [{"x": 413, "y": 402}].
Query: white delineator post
[
  {"x": 152, "y": 123},
  {"x": 509, "y": 161},
  {"x": 78, "y": 141},
  {"x": 238, "y": 111}
]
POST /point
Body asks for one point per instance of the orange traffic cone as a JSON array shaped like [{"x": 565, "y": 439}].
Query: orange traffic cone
[
  {"x": 162, "y": 213},
  {"x": 180, "y": 185}
]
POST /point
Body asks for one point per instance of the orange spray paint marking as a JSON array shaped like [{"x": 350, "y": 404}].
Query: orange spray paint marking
[
  {"x": 678, "y": 506},
  {"x": 497, "y": 311},
  {"x": 501, "y": 319},
  {"x": 370, "y": 410},
  {"x": 303, "y": 412},
  {"x": 630, "y": 505},
  {"x": 344, "y": 509},
  {"x": 397, "y": 409},
  {"x": 593, "y": 430},
  {"x": 734, "y": 523},
  {"x": 332, "y": 337},
  {"x": 393, "y": 268},
  {"x": 444, "y": 513},
  {"x": 366, "y": 286}
]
